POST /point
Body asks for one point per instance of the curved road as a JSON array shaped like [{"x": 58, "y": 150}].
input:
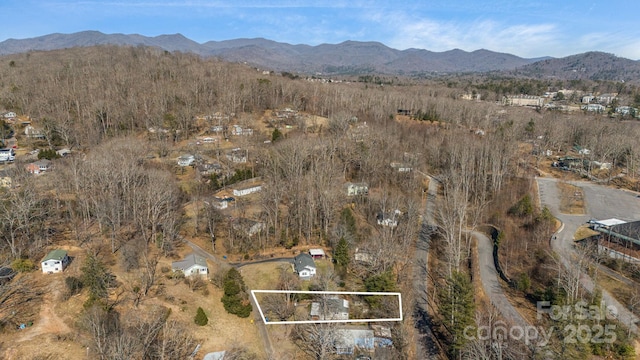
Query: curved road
[
  {"x": 491, "y": 281},
  {"x": 601, "y": 203}
]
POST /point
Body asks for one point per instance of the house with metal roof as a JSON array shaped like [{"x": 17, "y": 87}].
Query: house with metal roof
[{"x": 55, "y": 261}]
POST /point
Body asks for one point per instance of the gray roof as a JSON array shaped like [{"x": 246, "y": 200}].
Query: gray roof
[
  {"x": 189, "y": 261},
  {"x": 303, "y": 260}
]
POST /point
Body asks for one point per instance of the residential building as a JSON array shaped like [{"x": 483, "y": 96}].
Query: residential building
[
  {"x": 187, "y": 160},
  {"x": 31, "y": 132},
  {"x": 355, "y": 189},
  {"x": 389, "y": 219},
  {"x": 238, "y": 155},
  {"x": 594, "y": 108},
  {"x": 304, "y": 266},
  {"x": 39, "y": 166},
  {"x": 192, "y": 265},
  {"x": 349, "y": 340},
  {"x": 247, "y": 190},
  {"x": 401, "y": 167},
  {"x": 55, "y": 261},
  {"x": 239, "y": 130},
  {"x": 332, "y": 308},
  {"x": 606, "y": 99}
]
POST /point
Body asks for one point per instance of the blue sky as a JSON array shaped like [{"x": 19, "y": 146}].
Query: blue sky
[{"x": 524, "y": 28}]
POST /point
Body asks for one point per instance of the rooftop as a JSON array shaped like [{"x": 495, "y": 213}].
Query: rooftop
[{"x": 57, "y": 254}]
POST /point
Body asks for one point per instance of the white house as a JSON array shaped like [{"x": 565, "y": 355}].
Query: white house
[
  {"x": 238, "y": 130},
  {"x": 31, "y": 132},
  {"x": 389, "y": 219},
  {"x": 304, "y": 266},
  {"x": 594, "y": 108},
  {"x": 55, "y": 261},
  {"x": 191, "y": 265},
  {"x": 247, "y": 190},
  {"x": 400, "y": 167},
  {"x": 10, "y": 115},
  {"x": 238, "y": 155},
  {"x": 354, "y": 189},
  {"x": 186, "y": 160}
]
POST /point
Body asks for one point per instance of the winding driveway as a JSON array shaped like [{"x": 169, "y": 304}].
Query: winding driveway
[
  {"x": 491, "y": 281},
  {"x": 601, "y": 203},
  {"x": 426, "y": 345}
]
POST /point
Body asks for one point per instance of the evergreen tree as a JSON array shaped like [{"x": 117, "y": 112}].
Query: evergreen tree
[
  {"x": 96, "y": 278},
  {"x": 201, "y": 318},
  {"x": 384, "y": 282},
  {"x": 276, "y": 135},
  {"x": 341, "y": 252},
  {"x": 235, "y": 298},
  {"x": 457, "y": 309}
]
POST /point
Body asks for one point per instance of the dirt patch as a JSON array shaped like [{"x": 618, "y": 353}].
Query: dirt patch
[
  {"x": 571, "y": 199},
  {"x": 50, "y": 334}
]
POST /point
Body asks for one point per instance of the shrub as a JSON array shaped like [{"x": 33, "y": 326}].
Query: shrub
[
  {"x": 48, "y": 154},
  {"x": 23, "y": 265},
  {"x": 201, "y": 318},
  {"x": 74, "y": 285}
]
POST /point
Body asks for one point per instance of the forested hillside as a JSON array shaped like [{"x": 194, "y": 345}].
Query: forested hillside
[{"x": 126, "y": 210}]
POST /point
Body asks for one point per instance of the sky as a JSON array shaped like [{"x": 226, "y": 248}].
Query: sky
[{"x": 527, "y": 29}]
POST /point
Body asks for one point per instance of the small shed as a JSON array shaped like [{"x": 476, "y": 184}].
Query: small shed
[
  {"x": 317, "y": 253},
  {"x": 55, "y": 261}
]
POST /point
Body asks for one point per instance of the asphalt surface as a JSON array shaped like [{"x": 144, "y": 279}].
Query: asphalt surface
[
  {"x": 426, "y": 345},
  {"x": 601, "y": 203},
  {"x": 491, "y": 281}
]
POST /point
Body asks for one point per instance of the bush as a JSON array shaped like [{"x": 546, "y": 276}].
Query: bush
[
  {"x": 48, "y": 154},
  {"x": 201, "y": 318},
  {"x": 23, "y": 265},
  {"x": 74, "y": 285}
]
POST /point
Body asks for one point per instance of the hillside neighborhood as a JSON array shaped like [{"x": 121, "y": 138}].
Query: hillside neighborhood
[{"x": 211, "y": 210}]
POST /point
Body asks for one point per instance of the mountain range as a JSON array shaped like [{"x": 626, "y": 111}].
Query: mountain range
[{"x": 350, "y": 57}]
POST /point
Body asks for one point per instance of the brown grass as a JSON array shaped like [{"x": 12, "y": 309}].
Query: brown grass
[
  {"x": 571, "y": 199},
  {"x": 584, "y": 232}
]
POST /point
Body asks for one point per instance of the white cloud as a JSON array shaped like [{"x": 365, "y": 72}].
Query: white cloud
[{"x": 523, "y": 40}]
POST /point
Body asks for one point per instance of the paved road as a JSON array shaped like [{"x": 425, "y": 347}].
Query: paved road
[
  {"x": 601, "y": 203},
  {"x": 426, "y": 345},
  {"x": 491, "y": 281}
]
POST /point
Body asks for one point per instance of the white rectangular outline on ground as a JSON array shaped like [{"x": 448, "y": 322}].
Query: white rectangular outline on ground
[{"x": 264, "y": 320}]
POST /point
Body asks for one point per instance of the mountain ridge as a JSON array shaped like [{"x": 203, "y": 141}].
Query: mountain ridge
[{"x": 348, "y": 57}]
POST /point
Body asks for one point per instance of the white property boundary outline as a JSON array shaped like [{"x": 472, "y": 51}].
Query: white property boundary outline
[{"x": 264, "y": 320}]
